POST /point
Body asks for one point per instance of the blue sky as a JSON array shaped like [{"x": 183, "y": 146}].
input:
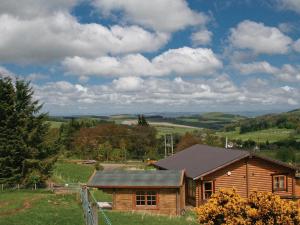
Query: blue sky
[{"x": 117, "y": 56}]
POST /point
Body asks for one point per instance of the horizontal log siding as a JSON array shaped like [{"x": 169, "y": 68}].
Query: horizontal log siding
[
  {"x": 260, "y": 176},
  {"x": 237, "y": 178},
  {"x": 124, "y": 200},
  {"x": 297, "y": 188}
]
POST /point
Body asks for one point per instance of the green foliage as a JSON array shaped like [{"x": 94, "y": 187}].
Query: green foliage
[
  {"x": 25, "y": 155},
  {"x": 286, "y": 155}
]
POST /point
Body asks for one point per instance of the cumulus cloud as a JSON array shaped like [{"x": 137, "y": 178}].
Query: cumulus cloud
[
  {"x": 293, "y": 5},
  {"x": 297, "y": 45},
  {"x": 287, "y": 72},
  {"x": 183, "y": 61},
  {"x": 6, "y": 73},
  {"x": 202, "y": 37},
  {"x": 126, "y": 92},
  {"x": 35, "y": 8},
  {"x": 259, "y": 38},
  {"x": 256, "y": 67},
  {"x": 60, "y": 35},
  {"x": 160, "y": 15}
]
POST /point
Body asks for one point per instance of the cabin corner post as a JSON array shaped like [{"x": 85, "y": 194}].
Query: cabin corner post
[{"x": 198, "y": 192}]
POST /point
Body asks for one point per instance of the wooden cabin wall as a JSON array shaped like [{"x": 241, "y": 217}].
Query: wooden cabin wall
[
  {"x": 249, "y": 175},
  {"x": 124, "y": 200}
]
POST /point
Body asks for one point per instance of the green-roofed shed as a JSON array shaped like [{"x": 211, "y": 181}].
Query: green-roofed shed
[{"x": 155, "y": 191}]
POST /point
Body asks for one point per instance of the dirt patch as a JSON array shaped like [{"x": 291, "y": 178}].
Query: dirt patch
[{"x": 26, "y": 205}]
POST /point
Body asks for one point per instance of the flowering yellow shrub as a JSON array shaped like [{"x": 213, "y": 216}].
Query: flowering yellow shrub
[{"x": 227, "y": 207}]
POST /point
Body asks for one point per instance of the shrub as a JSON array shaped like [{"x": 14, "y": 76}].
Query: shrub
[{"x": 227, "y": 207}]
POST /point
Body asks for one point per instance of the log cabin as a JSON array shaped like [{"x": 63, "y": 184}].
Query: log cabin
[
  {"x": 191, "y": 176},
  {"x": 157, "y": 192},
  {"x": 208, "y": 169}
]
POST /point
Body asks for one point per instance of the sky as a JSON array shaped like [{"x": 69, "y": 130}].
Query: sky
[{"x": 131, "y": 56}]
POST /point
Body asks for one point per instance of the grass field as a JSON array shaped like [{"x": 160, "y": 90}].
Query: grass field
[
  {"x": 44, "y": 208},
  {"x": 162, "y": 130},
  {"x": 67, "y": 172},
  {"x": 55, "y": 124},
  {"x": 39, "y": 208},
  {"x": 271, "y": 135},
  {"x": 121, "y": 218}
]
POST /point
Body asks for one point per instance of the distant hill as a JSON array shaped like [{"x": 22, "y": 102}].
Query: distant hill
[{"x": 286, "y": 120}]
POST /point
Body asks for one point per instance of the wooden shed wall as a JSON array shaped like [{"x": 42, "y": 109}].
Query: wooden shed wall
[
  {"x": 169, "y": 201},
  {"x": 249, "y": 175},
  {"x": 297, "y": 187}
]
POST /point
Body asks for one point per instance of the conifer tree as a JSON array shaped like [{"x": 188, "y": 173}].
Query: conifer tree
[{"x": 25, "y": 157}]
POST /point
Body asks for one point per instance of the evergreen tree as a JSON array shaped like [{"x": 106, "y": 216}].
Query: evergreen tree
[
  {"x": 25, "y": 157},
  {"x": 142, "y": 121}
]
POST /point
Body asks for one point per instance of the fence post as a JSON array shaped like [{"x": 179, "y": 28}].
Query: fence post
[{"x": 95, "y": 213}]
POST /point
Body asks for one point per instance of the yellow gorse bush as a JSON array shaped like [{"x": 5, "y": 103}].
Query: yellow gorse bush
[{"x": 227, "y": 207}]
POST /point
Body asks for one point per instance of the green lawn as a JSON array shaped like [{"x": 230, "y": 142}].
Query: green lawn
[
  {"x": 39, "y": 208},
  {"x": 123, "y": 218},
  {"x": 44, "y": 208},
  {"x": 272, "y": 135},
  {"x": 67, "y": 172}
]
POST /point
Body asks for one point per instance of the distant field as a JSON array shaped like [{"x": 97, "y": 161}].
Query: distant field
[
  {"x": 55, "y": 124},
  {"x": 271, "y": 135},
  {"x": 162, "y": 130}
]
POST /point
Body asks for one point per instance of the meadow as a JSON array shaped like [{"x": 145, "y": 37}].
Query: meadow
[
  {"x": 271, "y": 135},
  {"x": 42, "y": 207}
]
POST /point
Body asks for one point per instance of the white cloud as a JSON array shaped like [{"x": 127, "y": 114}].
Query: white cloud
[
  {"x": 202, "y": 37},
  {"x": 128, "y": 84},
  {"x": 183, "y": 61},
  {"x": 287, "y": 73},
  {"x": 35, "y": 8},
  {"x": 297, "y": 45},
  {"x": 161, "y": 15},
  {"x": 6, "y": 73},
  {"x": 256, "y": 67},
  {"x": 153, "y": 93},
  {"x": 293, "y": 5},
  {"x": 259, "y": 38},
  {"x": 60, "y": 35},
  {"x": 36, "y": 76}
]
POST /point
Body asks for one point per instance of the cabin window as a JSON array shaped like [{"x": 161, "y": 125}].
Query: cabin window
[
  {"x": 146, "y": 198},
  {"x": 191, "y": 188},
  {"x": 208, "y": 189},
  {"x": 279, "y": 183}
]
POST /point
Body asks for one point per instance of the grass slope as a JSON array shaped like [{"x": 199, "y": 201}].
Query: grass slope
[
  {"x": 68, "y": 172},
  {"x": 39, "y": 208}
]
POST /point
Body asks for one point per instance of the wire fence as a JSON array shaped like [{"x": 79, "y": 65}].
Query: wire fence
[
  {"x": 89, "y": 203},
  {"x": 91, "y": 208}
]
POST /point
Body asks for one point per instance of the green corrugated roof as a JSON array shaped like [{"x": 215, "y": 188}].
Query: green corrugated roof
[{"x": 148, "y": 178}]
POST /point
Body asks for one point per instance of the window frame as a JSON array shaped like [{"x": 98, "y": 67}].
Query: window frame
[
  {"x": 274, "y": 182},
  {"x": 212, "y": 189},
  {"x": 146, "y": 195}
]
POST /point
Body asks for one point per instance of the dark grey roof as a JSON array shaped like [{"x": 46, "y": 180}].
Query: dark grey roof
[
  {"x": 125, "y": 179},
  {"x": 201, "y": 159}
]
